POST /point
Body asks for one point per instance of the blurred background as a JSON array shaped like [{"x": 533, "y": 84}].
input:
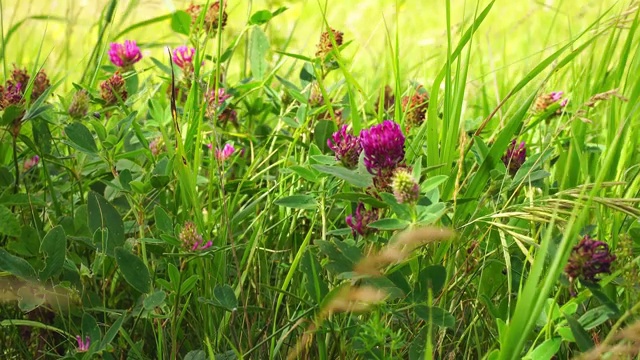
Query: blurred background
[{"x": 515, "y": 36}]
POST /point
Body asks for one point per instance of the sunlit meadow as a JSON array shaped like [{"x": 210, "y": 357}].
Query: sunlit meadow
[{"x": 319, "y": 179}]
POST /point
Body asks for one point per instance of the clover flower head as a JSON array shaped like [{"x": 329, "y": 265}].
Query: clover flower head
[
  {"x": 383, "y": 147},
  {"x": 31, "y": 162},
  {"x": 515, "y": 157},
  {"x": 113, "y": 89},
  {"x": 346, "y": 146},
  {"x": 183, "y": 57},
  {"x": 588, "y": 259},
  {"x": 191, "y": 239},
  {"x": 79, "y": 104},
  {"x": 405, "y": 187},
  {"x": 225, "y": 153},
  {"x": 325, "y": 45},
  {"x": 124, "y": 55}
]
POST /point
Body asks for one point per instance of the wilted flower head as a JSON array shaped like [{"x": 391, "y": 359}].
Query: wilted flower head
[
  {"x": 13, "y": 91},
  {"x": 405, "y": 187},
  {"x": 31, "y": 162},
  {"x": 83, "y": 346},
  {"x": 191, "y": 239},
  {"x": 383, "y": 147},
  {"x": 211, "y": 18},
  {"x": 544, "y": 101},
  {"x": 225, "y": 153},
  {"x": 415, "y": 108},
  {"x": 515, "y": 157},
  {"x": 79, "y": 104},
  {"x": 183, "y": 57},
  {"x": 113, "y": 89},
  {"x": 124, "y": 55},
  {"x": 360, "y": 219},
  {"x": 40, "y": 84},
  {"x": 588, "y": 259},
  {"x": 325, "y": 45},
  {"x": 346, "y": 146}
]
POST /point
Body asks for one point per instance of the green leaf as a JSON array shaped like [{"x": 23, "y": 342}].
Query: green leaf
[
  {"x": 133, "y": 270},
  {"x": 225, "y": 297},
  {"x": 432, "y": 183},
  {"x": 583, "y": 340},
  {"x": 103, "y": 216},
  {"x": 257, "y": 52},
  {"x": 352, "y": 177},
  {"x": 315, "y": 284},
  {"x": 16, "y": 265},
  {"x": 154, "y": 300},
  {"x": 305, "y": 202},
  {"x": 111, "y": 333},
  {"x": 197, "y": 355},
  {"x": 546, "y": 350},
  {"x": 389, "y": 224},
  {"x": 54, "y": 248},
  {"x": 163, "y": 221},
  {"x": 432, "y": 276},
  {"x": 9, "y": 225},
  {"x": 260, "y": 17},
  {"x": 11, "y": 113},
  {"x": 90, "y": 327},
  {"x": 595, "y": 317},
  {"x": 323, "y": 131},
  {"x": 81, "y": 138},
  {"x": 181, "y": 22},
  {"x": 436, "y": 316}
]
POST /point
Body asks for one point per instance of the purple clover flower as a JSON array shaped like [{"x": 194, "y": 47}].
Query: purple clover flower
[
  {"x": 359, "y": 220},
  {"x": 588, "y": 259},
  {"x": 225, "y": 153},
  {"x": 515, "y": 157},
  {"x": 124, "y": 55},
  {"x": 83, "y": 346},
  {"x": 383, "y": 147},
  {"x": 346, "y": 146},
  {"x": 183, "y": 57}
]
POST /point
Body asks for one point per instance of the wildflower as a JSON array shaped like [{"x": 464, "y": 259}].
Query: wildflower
[
  {"x": 113, "y": 89},
  {"x": 346, "y": 146},
  {"x": 211, "y": 20},
  {"x": 191, "y": 239},
  {"x": 588, "y": 259},
  {"x": 79, "y": 104},
  {"x": 383, "y": 147},
  {"x": 514, "y": 157},
  {"x": 325, "y": 45},
  {"x": 83, "y": 346},
  {"x": 20, "y": 76},
  {"x": 359, "y": 220},
  {"x": 415, "y": 108},
  {"x": 183, "y": 57},
  {"x": 225, "y": 153},
  {"x": 405, "y": 187},
  {"x": 31, "y": 163},
  {"x": 544, "y": 101},
  {"x": 124, "y": 55},
  {"x": 157, "y": 146}
]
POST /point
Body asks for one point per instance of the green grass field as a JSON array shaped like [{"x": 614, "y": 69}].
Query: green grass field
[{"x": 429, "y": 180}]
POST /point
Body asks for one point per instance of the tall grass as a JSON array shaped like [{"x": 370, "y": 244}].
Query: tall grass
[{"x": 93, "y": 236}]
